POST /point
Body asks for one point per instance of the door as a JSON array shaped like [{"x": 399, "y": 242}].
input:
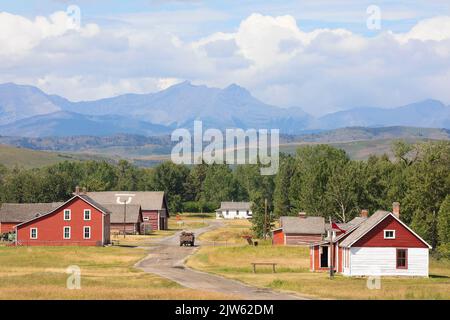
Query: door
[{"x": 324, "y": 257}]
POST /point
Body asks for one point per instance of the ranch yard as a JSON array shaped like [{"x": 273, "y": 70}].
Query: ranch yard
[
  {"x": 293, "y": 271},
  {"x": 106, "y": 273}
]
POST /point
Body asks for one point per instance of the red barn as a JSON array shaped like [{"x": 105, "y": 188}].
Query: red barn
[
  {"x": 79, "y": 221},
  {"x": 301, "y": 230},
  {"x": 153, "y": 204},
  {"x": 381, "y": 245}
]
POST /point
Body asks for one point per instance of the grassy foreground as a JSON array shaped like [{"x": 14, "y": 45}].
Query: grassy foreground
[
  {"x": 106, "y": 273},
  {"x": 293, "y": 274}
]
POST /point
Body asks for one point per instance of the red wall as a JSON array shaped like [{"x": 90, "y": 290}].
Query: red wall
[
  {"x": 278, "y": 237},
  {"x": 302, "y": 239},
  {"x": 7, "y": 226},
  {"x": 403, "y": 237},
  {"x": 51, "y": 227},
  {"x": 153, "y": 218}
]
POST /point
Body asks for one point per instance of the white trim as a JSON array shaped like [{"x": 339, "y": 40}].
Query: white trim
[
  {"x": 389, "y": 238},
  {"x": 84, "y": 232},
  {"x": 64, "y": 233},
  {"x": 70, "y": 214},
  {"x": 159, "y": 220},
  {"x": 103, "y": 231},
  {"x": 393, "y": 215},
  {"x": 84, "y": 214},
  {"x": 31, "y": 233}
]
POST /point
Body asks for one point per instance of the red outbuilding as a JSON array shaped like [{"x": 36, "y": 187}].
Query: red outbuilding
[{"x": 80, "y": 221}]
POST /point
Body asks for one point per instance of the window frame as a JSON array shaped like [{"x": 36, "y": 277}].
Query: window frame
[
  {"x": 389, "y": 238},
  {"x": 31, "y": 233},
  {"x": 397, "y": 250},
  {"x": 84, "y": 214},
  {"x": 84, "y": 232},
  {"x": 64, "y": 232},
  {"x": 70, "y": 214}
]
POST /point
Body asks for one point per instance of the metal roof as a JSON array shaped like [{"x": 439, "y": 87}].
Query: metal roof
[
  {"x": 20, "y": 212},
  {"x": 306, "y": 225},
  {"x": 148, "y": 200},
  {"x": 231, "y": 205},
  {"x": 117, "y": 213}
]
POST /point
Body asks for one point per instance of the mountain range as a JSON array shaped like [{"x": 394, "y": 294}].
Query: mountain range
[{"x": 29, "y": 112}]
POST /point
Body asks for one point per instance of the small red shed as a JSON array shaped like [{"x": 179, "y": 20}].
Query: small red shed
[
  {"x": 300, "y": 230},
  {"x": 80, "y": 221}
]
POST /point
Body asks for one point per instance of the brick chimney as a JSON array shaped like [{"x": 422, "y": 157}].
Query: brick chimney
[
  {"x": 84, "y": 190},
  {"x": 77, "y": 190},
  {"x": 364, "y": 213},
  {"x": 302, "y": 215},
  {"x": 396, "y": 209}
]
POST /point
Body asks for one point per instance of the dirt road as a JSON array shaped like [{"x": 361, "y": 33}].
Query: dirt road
[{"x": 167, "y": 260}]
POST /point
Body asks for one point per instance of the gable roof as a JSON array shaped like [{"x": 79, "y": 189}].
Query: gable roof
[
  {"x": 372, "y": 222},
  {"x": 307, "y": 225},
  {"x": 20, "y": 212},
  {"x": 82, "y": 197},
  {"x": 117, "y": 212},
  {"x": 231, "y": 205},
  {"x": 148, "y": 200}
]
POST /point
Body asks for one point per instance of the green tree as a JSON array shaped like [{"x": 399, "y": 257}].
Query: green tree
[{"x": 444, "y": 221}]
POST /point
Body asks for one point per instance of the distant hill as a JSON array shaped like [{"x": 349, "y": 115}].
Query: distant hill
[
  {"x": 427, "y": 114},
  {"x": 64, "y": 123},
  {"x": 11, "y": 156},
  {"x": 27, "y": 111}
]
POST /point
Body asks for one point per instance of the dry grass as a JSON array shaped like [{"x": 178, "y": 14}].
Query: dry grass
[
  {"x": 232, "y": 232},
  {"x": 293, "y": 273},
  {"x": 106, "y": 273}
]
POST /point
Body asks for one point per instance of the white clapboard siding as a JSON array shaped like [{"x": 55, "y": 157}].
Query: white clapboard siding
[
  {"x": 233, "y": 214},
  {"x": 382, "y": 261}
]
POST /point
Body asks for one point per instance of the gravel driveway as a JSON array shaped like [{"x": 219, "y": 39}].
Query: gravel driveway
[{"x": 167, "y": 260}]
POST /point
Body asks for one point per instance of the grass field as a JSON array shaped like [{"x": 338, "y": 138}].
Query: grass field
[
  {"x": 106, "y": 273},
  {"x": 231, "y": 233},
  {"x": 27, "y": 158},
  {"x": 293, "y": 273}
]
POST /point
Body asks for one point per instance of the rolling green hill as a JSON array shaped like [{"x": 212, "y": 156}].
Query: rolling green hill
[{"x": 27, "y": 158}]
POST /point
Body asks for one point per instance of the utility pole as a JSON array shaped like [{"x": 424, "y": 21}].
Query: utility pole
[
  {"x": 124, "y": 202},
  {"x": 265, "y": 218},
  {"x": 331, "y": 254},
  {"x": 124, "y": 219}
]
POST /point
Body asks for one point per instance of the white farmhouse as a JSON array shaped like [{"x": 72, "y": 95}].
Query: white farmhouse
[{"x": 234, "y": 210}]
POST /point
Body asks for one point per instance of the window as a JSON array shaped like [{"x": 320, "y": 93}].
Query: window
[
  {"x": 87, "y": 214},
  {"x": 66, "y": 232},
  {"x": 389, "y": 234},
  {"x": 402, "y": 258},
  {"x": 226, "y": 212},
  {"x": 67, "y": 214},
  {"x": 33, "y": 233},
  {"x": 86, "y": 232}
]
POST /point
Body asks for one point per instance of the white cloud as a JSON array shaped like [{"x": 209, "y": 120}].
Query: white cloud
[
  {"x": 320, "y": 70},
  {"x": 18, "y": 35}
]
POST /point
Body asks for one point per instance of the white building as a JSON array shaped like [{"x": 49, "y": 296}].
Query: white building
[{"x": 234, "y": 210}]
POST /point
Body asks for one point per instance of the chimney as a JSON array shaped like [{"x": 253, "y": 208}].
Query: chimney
[
  {"x": 302, "y": 215},
  {"x": 396, "y": 209},
  {"x": 77, "y": 190},
  {"x": 364, "y": 213},
  {"x": 84, "y": 190}
]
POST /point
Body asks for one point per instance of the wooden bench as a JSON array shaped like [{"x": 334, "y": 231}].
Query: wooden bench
[{"x": 254, "y": 264}]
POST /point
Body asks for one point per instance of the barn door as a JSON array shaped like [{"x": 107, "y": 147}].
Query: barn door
[{"x": 324, "y": 257}]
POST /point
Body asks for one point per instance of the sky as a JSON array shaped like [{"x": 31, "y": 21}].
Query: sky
[{"x": 320, "y": 55}]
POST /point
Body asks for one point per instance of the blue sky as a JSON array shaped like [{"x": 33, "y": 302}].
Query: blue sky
[{"x": 316, "y": 54}]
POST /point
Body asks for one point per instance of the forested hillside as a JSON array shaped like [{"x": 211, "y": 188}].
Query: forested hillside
[{"x": 320, "y": 180}]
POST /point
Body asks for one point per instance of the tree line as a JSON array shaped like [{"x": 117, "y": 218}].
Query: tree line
[{"x": 320, "y": 180}]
